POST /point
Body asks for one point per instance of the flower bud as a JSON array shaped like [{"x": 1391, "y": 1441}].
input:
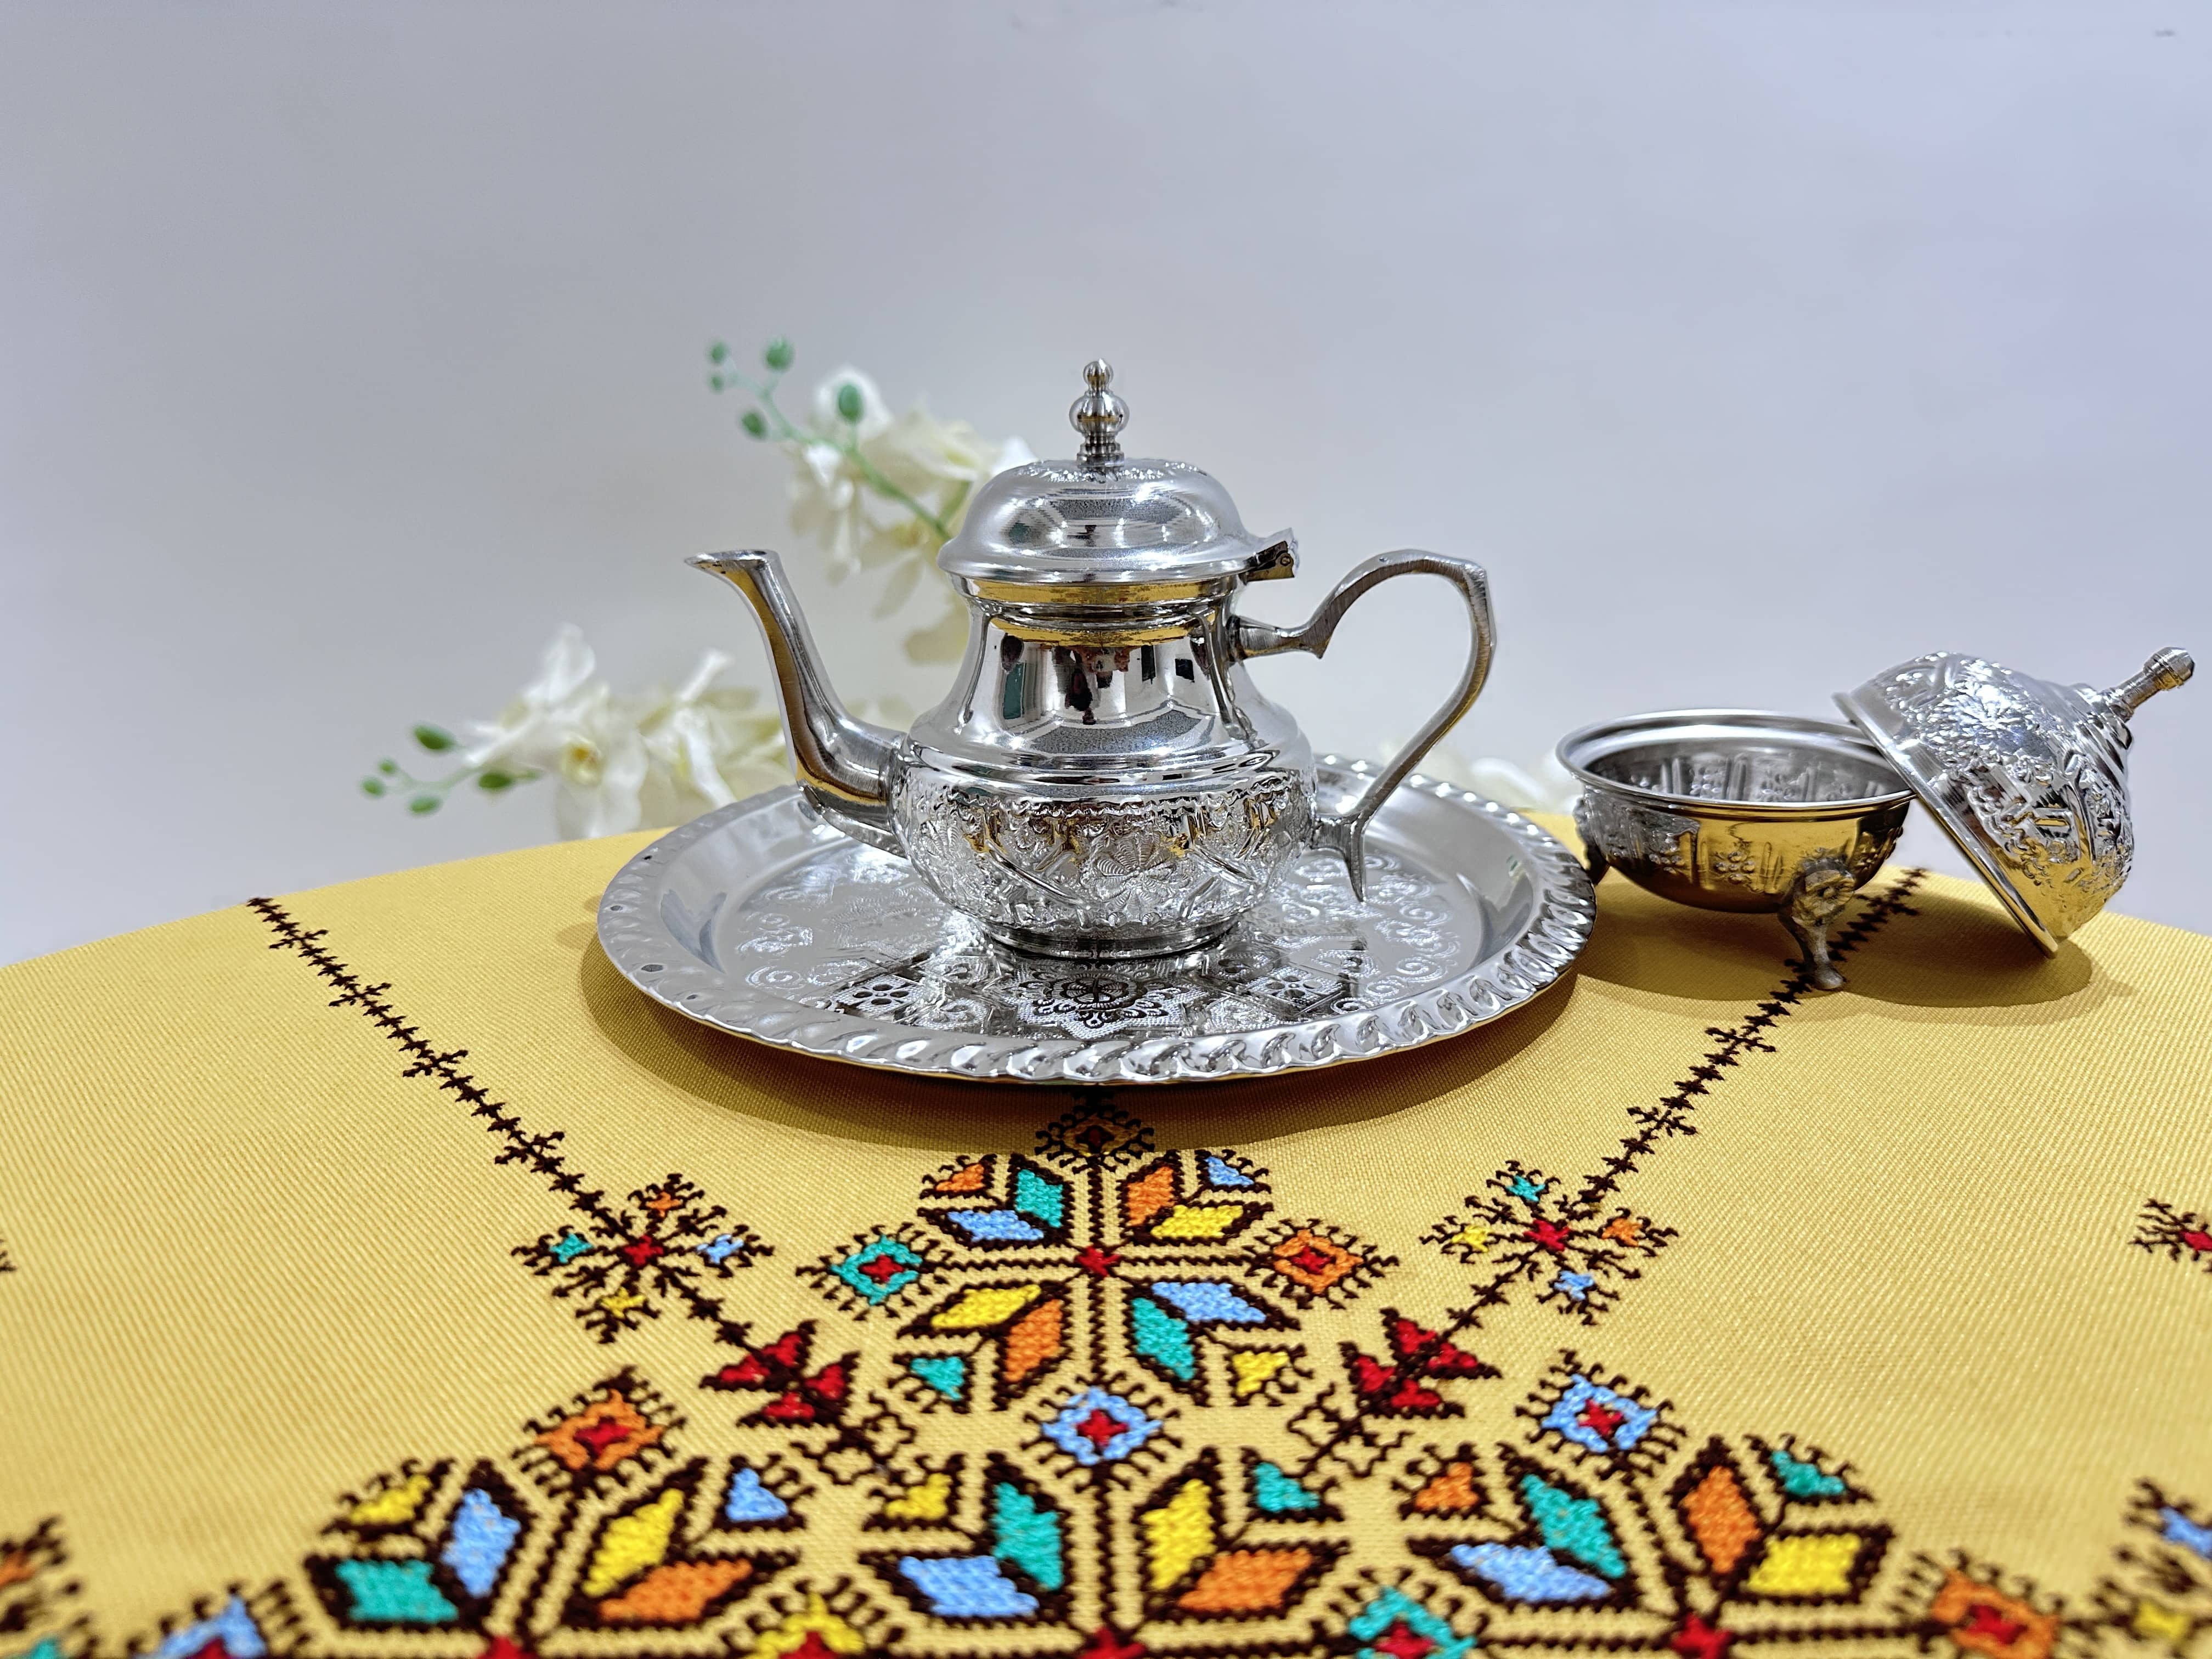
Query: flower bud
[
  {"x": 372, "y": 786},
  {"x": 423, "y": 803},
  {"x": 777, "y": 357},
  {"x": 435, "y": 739},
  {"x": 848, "y": 401},
  {"x": 494, "y": 781},
  {"x": 754, "y": 423},
  {"x": 718, "y": 353}
]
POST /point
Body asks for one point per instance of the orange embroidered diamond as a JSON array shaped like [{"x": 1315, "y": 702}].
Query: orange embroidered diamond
[
  {"x": 1317, "y": 1262},
  {"x": 605, "y": 1433}
]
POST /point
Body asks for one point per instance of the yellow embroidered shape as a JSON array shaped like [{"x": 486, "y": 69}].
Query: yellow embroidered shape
[
  {"x": 981, "y": 1309},
  {"x": 1810, "y": 1563},
  {"x": 633, "y": 1542},
  {"x": 1178, "y": 1534},
  {"x": 814, "y": 1619},
  {"x": 394, "y": 1506},
  {"x": 1252, "y": 1367},
  {"x": 1198, "y": 1221},
  {"x": 928, "y": 1499},
  {"x": 2155, "y": 1622}
]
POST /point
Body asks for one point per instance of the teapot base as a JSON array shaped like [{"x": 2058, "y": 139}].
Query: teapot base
[{"x": 1180, "y": 942}]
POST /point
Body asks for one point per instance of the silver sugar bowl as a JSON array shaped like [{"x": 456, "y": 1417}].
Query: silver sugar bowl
[
  {"x": 1731, "y": 810},
  {"x": 1103, "y": 779}
]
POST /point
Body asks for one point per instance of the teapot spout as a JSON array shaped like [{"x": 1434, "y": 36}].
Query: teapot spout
[{"x": 843, "y": 763}]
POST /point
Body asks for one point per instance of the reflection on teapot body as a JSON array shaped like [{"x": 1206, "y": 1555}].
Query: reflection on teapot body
[{"x": 1104, "y": 779}]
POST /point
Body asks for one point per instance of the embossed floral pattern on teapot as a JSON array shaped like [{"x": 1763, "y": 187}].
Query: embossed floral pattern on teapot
[{"x": 1104, "y": 780}]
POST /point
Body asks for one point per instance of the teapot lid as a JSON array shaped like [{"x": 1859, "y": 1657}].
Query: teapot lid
[
  {"x": 1101, "y": 522},
  {"x": 2028, "y": 777}
]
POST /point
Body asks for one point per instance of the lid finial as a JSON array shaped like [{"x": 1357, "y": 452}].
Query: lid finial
[
  {"x": 1099, "y": 415},
  {"x": 2165, "y": 670}
]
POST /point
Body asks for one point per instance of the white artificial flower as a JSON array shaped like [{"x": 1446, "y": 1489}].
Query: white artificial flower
[
  {"x": 602, "y": 766},
  {"x": 710, "y": 744},
  {"x": 528, "y": 734},
  {"x": 837, "y": 499}
]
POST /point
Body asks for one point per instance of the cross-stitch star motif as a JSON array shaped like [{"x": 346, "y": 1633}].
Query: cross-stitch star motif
[
  {"x": 1020, "y": 1266},
  {"x": 1528, "y": 1228},
  {"x": 669, "y": 1243}
]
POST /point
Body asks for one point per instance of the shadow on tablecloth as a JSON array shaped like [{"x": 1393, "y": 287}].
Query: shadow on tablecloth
[{"x": 872, "y": 1105}]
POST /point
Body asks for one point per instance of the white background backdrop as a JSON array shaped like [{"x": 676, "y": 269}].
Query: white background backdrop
[{"x": 347, "y": 349}]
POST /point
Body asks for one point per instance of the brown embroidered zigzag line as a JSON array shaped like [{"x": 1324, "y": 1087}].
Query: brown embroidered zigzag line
[
  {"x": 1669, "y": 1116},
  {"x": 538, "y": 1152}
]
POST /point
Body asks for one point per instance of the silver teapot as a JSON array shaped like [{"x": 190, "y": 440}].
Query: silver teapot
[{"x": 1104, "y": 779}]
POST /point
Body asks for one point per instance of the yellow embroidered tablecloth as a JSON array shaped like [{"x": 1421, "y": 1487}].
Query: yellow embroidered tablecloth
[{"x": 383, "y": 1277}]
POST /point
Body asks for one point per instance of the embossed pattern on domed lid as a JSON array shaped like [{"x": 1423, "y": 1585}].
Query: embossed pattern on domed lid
[
  {"x": 2028, "y": 777},
  {"x": 1101, "y": 521}
]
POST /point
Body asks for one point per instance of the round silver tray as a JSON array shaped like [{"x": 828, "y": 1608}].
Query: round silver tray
[{"x": 765, "y": 920}]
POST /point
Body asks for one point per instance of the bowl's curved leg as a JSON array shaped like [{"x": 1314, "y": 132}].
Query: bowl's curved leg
[{"x": 1822, "y": 888}]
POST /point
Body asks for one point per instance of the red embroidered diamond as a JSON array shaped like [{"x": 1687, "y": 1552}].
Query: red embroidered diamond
[
  {"x": 1602, "y": 1417},
  {"x": 1985, "y": 1622},
  {"x": 1699, "y": 1640},
  {"x": 1099, "y": 1427},
  {"x": 1099, "y": 1262},
  {"x": 597, "y": 1436},
  {"x": 643, "y": 1248},
  {"x": 1401, "y": 1643},
  {"x": 1312, "y": 1260},
  {"x": 883, "y": 1269},
  {"x": 2197, "y": 1239},
  {"x": 789, "y": 1407},
  {"x": 1550, "y": 1234},
  {"x": 813, "y": 1647},
  {"x": 505, "y": 1647}
]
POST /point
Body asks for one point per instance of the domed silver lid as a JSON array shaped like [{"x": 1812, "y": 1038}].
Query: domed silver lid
[
  {"x": 2029, "y": 778},
  {"x": 1106, "y": 524}
]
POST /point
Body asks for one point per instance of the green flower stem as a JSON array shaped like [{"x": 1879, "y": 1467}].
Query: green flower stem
[
  {"x": 849, "y": 447},
  {"x": 424, "y": 795}
]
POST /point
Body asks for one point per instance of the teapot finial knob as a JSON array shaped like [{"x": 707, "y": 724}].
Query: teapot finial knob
[
  {"x": 2165, "y": 670},
  {"x": 1099, "y": 415}
]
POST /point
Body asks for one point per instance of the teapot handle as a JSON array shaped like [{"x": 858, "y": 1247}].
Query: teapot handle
[{"x": 1345, "y": 833}]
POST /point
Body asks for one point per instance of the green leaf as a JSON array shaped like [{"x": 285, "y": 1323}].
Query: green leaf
[
  {"x": 494, "y": 781},
  {"x": 754, "y": 423},
  {"x": 434, "y": 737},
  {"x": 777, "y": 356},
  {"x": 848, "y": 401},
  {"x": 718, "y": 353},
  {"x": 423, "y": 803},
  {"x": 372, "y": 786}
]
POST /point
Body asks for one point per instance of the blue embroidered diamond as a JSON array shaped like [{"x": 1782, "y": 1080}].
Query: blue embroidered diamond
[
  {"x": 570, "y": 1245},
  {"x": 1097, "y": 1427},
  {"x": 721, "y": 1248},
  {"x": 1574, "y": 1286},
  {"x": 1526, "y": 1190},
  {"x": 1598, "y": 1419},
  {"x": 1220, "y": 1172},
  {"x": 880, "y": 1269},
  {"x": 2178, "y": 1528}
]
